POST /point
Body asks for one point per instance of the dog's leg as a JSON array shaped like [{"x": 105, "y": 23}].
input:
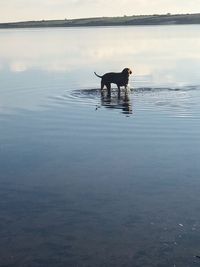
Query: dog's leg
[
  {"x": 108, "y": 86},
  {"x": 109, "y": 94},
  {"x": 119, "y": 94},
  {"x": 102, "y": 85},
  {"x": 119, "y": 91},
  {"x": 126, "y": 88}
]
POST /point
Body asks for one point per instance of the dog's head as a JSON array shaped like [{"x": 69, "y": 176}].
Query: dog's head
[{"x": 127, "y": 71}]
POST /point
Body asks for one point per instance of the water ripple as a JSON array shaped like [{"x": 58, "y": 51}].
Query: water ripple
[{"x": 173, "y": 101}]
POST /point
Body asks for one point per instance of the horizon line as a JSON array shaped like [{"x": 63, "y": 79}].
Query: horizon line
[{"x": 82, "y": 18}]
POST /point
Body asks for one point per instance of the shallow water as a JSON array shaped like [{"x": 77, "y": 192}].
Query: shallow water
[{"x": 92, "y": 180}]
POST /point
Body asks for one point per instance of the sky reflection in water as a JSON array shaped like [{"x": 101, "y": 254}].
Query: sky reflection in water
[
  {"x": 96, "y": 180},
  {"x": 166, "y": 54}
]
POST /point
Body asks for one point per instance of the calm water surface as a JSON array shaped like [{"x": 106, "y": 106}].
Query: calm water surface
[{"x": 91, "y": 180}]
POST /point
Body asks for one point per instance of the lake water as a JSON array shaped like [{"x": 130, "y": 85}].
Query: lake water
[{"x": 91, "y": 180}]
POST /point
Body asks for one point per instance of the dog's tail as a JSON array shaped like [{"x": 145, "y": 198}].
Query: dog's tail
[{"x": 97, "y": 75}]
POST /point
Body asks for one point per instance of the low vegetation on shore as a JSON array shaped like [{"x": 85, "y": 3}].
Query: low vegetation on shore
[{"x": 166, "y": 19}]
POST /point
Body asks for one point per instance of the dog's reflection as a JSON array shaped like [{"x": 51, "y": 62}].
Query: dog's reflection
[{"x": 120, "y": 100}]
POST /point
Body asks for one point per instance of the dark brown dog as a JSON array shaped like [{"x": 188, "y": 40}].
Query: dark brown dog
[{"x": 118, "y": 78}]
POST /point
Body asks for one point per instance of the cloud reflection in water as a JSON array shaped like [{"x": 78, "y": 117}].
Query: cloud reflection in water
[{"x": 154, "y": 52}]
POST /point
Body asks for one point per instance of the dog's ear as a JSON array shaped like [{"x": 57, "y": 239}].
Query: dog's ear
[{"x": 126, "y": 70}]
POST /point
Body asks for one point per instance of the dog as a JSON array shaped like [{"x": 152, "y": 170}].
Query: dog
[{"x": 118, "y": 78}]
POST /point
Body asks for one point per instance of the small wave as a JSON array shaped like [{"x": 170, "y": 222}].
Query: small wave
[
  {"x": 159, "y": 89},
  {"x": 86, "y": 93},
  {"x": 91, "y": 95},
  {"x": 173, "y": 100}
]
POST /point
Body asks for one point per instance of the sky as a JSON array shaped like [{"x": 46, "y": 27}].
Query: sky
[{"x": 22, "y": 10}]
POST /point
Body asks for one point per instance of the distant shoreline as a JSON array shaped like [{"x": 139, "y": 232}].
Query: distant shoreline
[{"x": 136, "y": 20}]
